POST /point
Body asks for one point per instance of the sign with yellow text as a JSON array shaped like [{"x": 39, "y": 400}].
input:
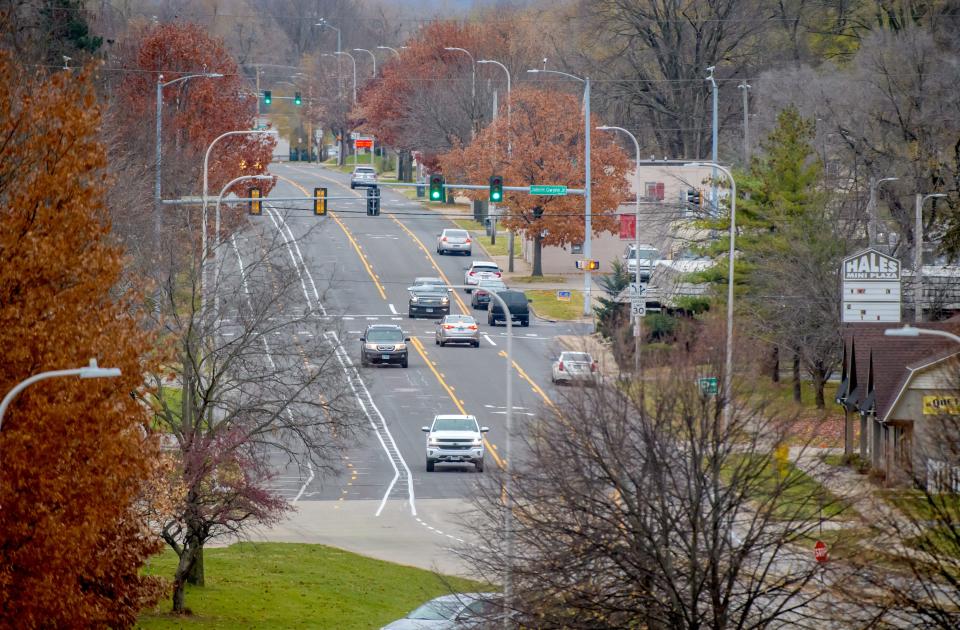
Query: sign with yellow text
[{"x": 941, "y": 405}]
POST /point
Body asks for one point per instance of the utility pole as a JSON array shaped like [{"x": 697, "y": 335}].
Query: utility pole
[
  {"x": 746, "y": 125},
  {"x": 713, "y": 152},
  {"x": 872, "y": 219},
  {"x": 918, "y": 255}
]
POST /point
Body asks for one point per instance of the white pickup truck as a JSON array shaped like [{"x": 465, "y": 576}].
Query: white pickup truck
[
  {"x": 455, "y": 439},
  {"x": 649, "y": 255}
]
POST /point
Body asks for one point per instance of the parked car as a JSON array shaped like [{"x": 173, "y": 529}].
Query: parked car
[
  {"x": 460, "y": 610},
  {"x": 363, "y": 176},
  {"x": 452, "y": 240},
  {"x": 574, "y": 366},
  {"x": 455, "y": 439},
  {"x": 480, "y": 270},
  {"x": 648, "y": 260},
  {"x": 383, "y": 344},
  {"x": 517, "y": 303},
  {"x": 458, "y": 329},
  {"x": 428, "y": 300},
  {"x": 481, "y": 295}
]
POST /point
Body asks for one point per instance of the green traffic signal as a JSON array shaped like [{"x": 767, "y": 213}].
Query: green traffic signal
[
  {"x": 296, "y": 98},
  {"x": 267, "y": 97},
  {"x": 436, "y": 187},
  {"x": 496, "y": 188}
]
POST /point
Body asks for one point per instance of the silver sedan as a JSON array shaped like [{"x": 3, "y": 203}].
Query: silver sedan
[{"x": 458, "y": 329}]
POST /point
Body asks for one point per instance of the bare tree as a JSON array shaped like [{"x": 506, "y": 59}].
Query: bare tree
[
  {"x": 637, "y": 506},
  {"x": 255, "y": 378}
]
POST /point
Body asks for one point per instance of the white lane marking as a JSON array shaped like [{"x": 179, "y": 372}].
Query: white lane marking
[
  {"x": 397, "y": 319},
  {"x": 487, "y": 337},
  {"x": 296, "y": 264},
  {"x": 393, "y": 452},
  {"x": 393, "y": 309},
  {"x": 345, "y": 317},
  {"x": 305, "y": 483},
  {"x": 303, "y": 263}
]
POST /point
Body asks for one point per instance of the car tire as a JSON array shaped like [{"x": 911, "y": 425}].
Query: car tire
[
  {"x": 469, "y": 291},
  {"x": 436, "y": 340},
  {"x": 352, "y": 187},
  {"x": 410, "y": 314},
  {"x": 491, "y": 321},
  {"x": 525, "y": 322},
  {"x": 429, "y": 465},
  {"x": 476, "y": 344},
  {"x": 363, "y": 361},
  {"x": 479, "y": 466},
  {"x": 404, "y": 363}
]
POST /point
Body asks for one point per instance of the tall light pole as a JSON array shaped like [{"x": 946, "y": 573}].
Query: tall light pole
[
  {"x": 352, "y": 59},
  {"x": 728, "y": 369},
  {"x": 713, "y": 134},
  {"x": 324, "y": 24},
  {"x": 390, "y": 48},
  {"x": 473, "y": 85},
  {"x": 586, "y": 184},
  {"x": 746, "y": 124},
  {"x": 918, "y": 255},
  {"x": 372, "y": 57},
  {"x": 638, "y": 322},
  {"x": 872, "y": 220},
  {"x": 510, "y": 236},
  {"x": 90, "y": 371}
]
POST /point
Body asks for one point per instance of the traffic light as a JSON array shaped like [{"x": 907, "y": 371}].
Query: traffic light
[
  {"x": 296, "y": 99},
  {"x": 436, "y": 187},
  {"x": 320, "y": 201},
  {"x": 256, "y": 207},
  {"x": 267, "y": 97},
  {"x": 373, "y": 201},
  {"x": 693, "y": 197},
  {"x": 496, "y": 188}
]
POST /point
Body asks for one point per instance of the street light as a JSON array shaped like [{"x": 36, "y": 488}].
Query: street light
[
  {"x": 713, "y": 151},
  {"x": 509, "y": 154},
  {"x": 371, "y": 57},
  {"x": 636, "y": 254},
  {"x": 354, "y": 70},
  {"x": 587, "y": 185},
  {"x": 872, "y": 208},
  {"x": 473, "y": 84},
  {"x": 912, "y": 331},
  {"x": 918, "y": 254},
  {"x": 90, "y": 371},
  {"x": 728, "y": 369},
  {"x": 324, "y": 24},
  {"x": 390, "y": 48}
]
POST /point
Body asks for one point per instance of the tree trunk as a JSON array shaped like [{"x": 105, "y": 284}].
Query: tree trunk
[
  {"x": 819, "y": 381},
  {"x": 196, "y": 575},
  {"x": 342, "y": 147},
  {"x": 187, "y": 559},
  {"x": 537, "y": 250},
  {"x": 797, "y": 395},
  {"x": 775, "y": 364},
  {"x": 405, "y": 165}
]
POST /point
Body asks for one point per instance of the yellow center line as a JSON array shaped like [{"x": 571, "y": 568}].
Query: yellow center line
[
  {"x": 363, "y": 259},
  {"x": 526, "y": 377},
  {"x": 463, "y": 307},
  {"x": 423, "y": 353}
]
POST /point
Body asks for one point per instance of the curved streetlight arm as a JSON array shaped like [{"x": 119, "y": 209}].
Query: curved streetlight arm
[
  {"x": 509, "y": 138},
  {"x": 473, "y": 68},
  {"x": 390, "y": 48},
  {"x": 353, "y": 59},
  {"x": 372, "y": 57},
  {"x": 913, "y": 331},
  {"x": 90, "y": 371},
  {"x": 572, "y": 76},
  {"x": 728, "y": 369}
]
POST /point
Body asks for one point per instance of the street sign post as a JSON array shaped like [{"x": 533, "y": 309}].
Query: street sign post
[
  {"x": 563, "y": 295},
  {"x": 708, "y": 385},
  {"x": 638, "y": 308},
  {"x": 554, "y": 191},
  {"x": 820, "y": 552}
]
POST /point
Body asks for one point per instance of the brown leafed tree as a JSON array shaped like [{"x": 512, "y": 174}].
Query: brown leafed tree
[
  {"x": 546, "y": 147},
  {"x": 74, "y": 453}
]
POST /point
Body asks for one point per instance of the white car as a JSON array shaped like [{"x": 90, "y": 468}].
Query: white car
[
  {"x": 363, "y": 176},
  {"x": 480, "y": 270},
  {"x": 454, "y": 240},
  {"x": 455, "y": 439},
  {"x": 574, "y": 366}
]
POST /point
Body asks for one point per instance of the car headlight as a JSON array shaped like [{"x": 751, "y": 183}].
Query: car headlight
[
  {"x": 432, "y": 442},
  {"x": 414, "y": 298},
  {"x": 399, "y": 346},
  {"x": 444, "y": 300},
  {"x": 478, "y": 442},
  {"x": 370, "y": 346}
]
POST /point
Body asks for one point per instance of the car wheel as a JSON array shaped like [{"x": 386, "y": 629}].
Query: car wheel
[
  {"x": 352, "y": 187},
  {"x": 410, "y": 314},
  {"x": 469, "y": 291},
  {"x": 436, "y": 341},
  {"x": 479, "y": 466},
  {"x": 404, "y": 362},
  {"x": 524, "y": 322},
  {"x": 363, "y": 361},
  {"x": 429, "y": 465},
  {"x": 490, "y": 321},
  {"x": 476, "y": 344}
]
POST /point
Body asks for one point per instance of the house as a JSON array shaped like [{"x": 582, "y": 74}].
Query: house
[
  {"x": 899, "y": 390},
  {"x": 664, "y": 220}
]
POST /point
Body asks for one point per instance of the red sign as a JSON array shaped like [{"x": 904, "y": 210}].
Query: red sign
[
  {"x": 627, "y": 223},
  {"x": 820, "y": 551},
  {"x": 363, "y": 143}
]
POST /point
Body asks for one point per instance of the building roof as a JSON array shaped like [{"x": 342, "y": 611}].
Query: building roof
[{"x": 892, "y": 360}]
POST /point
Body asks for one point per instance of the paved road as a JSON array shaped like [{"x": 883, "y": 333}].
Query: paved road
[{"x": 361, "y": 267}]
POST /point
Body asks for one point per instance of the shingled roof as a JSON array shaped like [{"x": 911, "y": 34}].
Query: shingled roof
[{"x": 884, "y": 364}]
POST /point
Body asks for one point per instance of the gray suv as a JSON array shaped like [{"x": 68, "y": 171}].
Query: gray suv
[
  {"x": 383, "y": 344},
  {"x": 363, "y": 176}
]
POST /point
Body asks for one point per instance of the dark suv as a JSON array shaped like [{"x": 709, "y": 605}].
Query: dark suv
[
  {"x": 383, "y": 343},
  {"x": 428, "y": 300},
  {"x": 517, "y": 303}
]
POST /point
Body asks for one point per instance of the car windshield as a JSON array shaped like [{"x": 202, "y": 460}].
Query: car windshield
[
  {"x": 363, "y": 169},
  {"x": 576, "y": 357},
  {"x": 390, "y": 334},
  {"x": 513, "y": 297},
  {"x": 459, "y": 319},
  {"x": 430, "y": 281},
  {"x": 485, "y": 267},
  {"x": 436, "y": 611},
  {"x": 427, "y": 289},
  {"x": 456, "y": 233},
  {"x": 455, "y": 424}
]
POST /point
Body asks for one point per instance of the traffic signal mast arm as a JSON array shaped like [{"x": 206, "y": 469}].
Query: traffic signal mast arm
[{"x": 524, "y": 189}]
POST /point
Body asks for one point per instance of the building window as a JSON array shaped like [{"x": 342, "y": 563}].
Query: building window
[
  {"x": 576, "y": 248},
  {"x": 654, "y": 191}
]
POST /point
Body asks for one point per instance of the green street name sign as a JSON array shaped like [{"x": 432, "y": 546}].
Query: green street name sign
[
  {"x": 548, "y": 190},
  {"x": 708, "y": 386}
]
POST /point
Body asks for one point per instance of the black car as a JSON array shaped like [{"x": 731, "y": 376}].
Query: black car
[
  {"x": 517, "y": 303},
  {"x": 428, "y": 300},
  {"x": 383, "y": 343}
]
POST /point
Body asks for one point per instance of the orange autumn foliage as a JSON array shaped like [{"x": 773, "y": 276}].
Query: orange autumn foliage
[{"x": 73, "y": 453}]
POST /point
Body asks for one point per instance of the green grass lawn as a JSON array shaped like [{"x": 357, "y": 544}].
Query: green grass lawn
[
  {"x": 278, "y": 585},
  {"x": 537, "y": 279},
  {"x": 479, "y": 234},
  {"x": 545, "y": 303},
  {"x": 782, "y": 393}
]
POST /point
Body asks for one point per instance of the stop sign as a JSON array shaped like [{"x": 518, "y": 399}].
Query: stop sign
[{"x": 820, "y": 551}]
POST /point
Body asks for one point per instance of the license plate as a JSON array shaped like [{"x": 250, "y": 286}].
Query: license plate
[
  {"x": 429, "y": 310},
  {"x": 385, "y": 357}
]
